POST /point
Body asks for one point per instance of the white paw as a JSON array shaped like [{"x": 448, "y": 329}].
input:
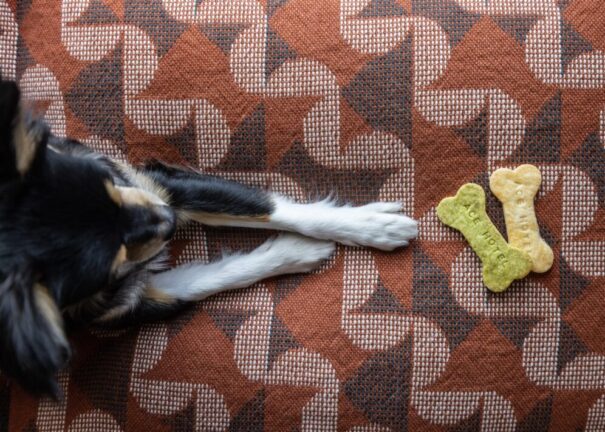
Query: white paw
[
  {"x": 293, "y": 253},
  {"x": 377, "y": 225},
  {"x": 382, "y": 207}
]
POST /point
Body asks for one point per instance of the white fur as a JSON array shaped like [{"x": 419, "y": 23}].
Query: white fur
[
  {"x": 284, "y": 254},
  {"x": 379, "y": 225}
]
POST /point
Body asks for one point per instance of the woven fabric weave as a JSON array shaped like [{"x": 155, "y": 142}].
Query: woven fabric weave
[{"x": 370, "y": 99}]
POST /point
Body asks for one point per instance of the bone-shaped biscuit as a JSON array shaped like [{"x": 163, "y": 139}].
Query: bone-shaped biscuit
[
  {"x": 502, "y": 263},
  {"x": 516, "y": 191}
]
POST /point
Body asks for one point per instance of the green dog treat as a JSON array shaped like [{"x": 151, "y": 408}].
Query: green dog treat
[{"x": 502, "y": 263}]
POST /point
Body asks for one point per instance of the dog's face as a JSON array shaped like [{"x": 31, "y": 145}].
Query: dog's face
[{"x": 66, "y": 232}]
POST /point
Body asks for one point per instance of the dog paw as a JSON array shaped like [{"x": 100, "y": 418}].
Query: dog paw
[
  {"x": 382, "y": 207},
  {"x": 293, "y": 253},
  {"x": 378, "y": 225}
]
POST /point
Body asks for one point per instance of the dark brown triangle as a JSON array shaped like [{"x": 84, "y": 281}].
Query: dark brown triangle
[
  {"x": 273, "y": 5},
  {"x": 248, "y": 151},
  {"x": 184, "y": 420},
  {"x": 286, "y": 285},
  {"x": 572, "y": 284},
  {"x": 222, "y": 35},
  {"x": 278, "y": 52},
  {"x": 570, "y": 346},
  {"x": 516, "y": 330},
  {"x": 97, "y": 13},
  {"x": 573, "y": 44},
  {"x": 107, "y": 364},
  {"x": 590, "y": 158},
  {"x": 281, "y": 339},
  {"x": 493, "y": 206},
  {"x": 539, "y": 417},
  {"x": 158, "y": 24},
  {"x": 517, "y": 26},
  {"x": 455, "y": 20},
  {"x": 542, "y": 139},
  {"x": 433, "y": 299},
  {"x": 382, "y": 8},
  {"x": 381, "y": 386},
  {"x": 229, "y": 322},
  {"x": 24, "y": 57},
  {"x": 21, "y": 9},
  {"x": 471, "y": 423},
  {"x": 360, "y": 186},
  {"x": 475, "y": 133},
  {"x": 251, "y": 416},
  {"x": 185, "y": 141},
  {"x": 381, "y": 92},
  {"x": 381, "y": 301},
  {"x": 97, "y": 97}
]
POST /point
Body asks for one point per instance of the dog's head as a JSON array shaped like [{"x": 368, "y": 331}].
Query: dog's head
[{"x": 66, "y": 232}]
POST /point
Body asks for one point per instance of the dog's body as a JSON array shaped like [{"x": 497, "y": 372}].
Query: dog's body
[{"x": 84, "y": 238}]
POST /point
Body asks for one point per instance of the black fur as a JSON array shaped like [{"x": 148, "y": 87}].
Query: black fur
[
  {"x": 62, "y": 229},
  {"x": 30, "y": 350},
  {"x": 9, "y": 103},
  {"x": 190, "y": 190}
]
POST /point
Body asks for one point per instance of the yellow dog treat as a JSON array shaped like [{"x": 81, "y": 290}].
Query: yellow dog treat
[
  {"x": 516, "y": 190},
  {"x": 502, "y": 263}
]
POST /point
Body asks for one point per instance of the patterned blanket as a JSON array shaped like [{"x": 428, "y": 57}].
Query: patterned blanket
[{"x": 369, "y": 99}]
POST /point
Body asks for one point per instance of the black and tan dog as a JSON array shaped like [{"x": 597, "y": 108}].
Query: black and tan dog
[{"x": 83, "y": 240}]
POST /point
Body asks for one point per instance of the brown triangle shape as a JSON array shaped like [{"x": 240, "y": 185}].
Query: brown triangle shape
[
  {"x": 499, "y": 367},
  {"x": 117, "y": 7},
  {"x": 497, "y": 64},
  {"x": 587, "y": 16},
  {"x": 396, "y": 270},
  {"x": 284, "y": 119},
  {"x": 444, "y": 162},
  {"x": 352, "y": 125},
  {"x": 196, "y": 68},
  {"x": 325, "y": 42},
  {"x": 442, "y": 253},
  {"x": 143, "y": 147},
  {"x": 198, "y": 343}
]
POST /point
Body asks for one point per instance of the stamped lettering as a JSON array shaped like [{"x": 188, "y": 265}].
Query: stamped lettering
[
  {"x": 502, "y": 263},
  {"x": 516, "y": 191}
]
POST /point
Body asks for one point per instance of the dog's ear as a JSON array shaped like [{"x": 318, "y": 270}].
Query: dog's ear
[
  {"x": 33, "y": 346},
  {"x": 21, "y": 139}
]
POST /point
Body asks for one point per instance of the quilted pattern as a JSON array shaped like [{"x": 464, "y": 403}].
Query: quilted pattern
[{"x": 371, "y": 99}]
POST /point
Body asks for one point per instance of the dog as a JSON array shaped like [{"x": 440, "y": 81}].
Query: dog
[{"x": 83, "y": 240}]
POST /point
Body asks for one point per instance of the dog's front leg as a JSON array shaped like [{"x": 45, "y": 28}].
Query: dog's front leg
[
  {"x": 283, "y": 254},
  {"x": 214, "y": 201},
  {"x": 167, "y": 293}
]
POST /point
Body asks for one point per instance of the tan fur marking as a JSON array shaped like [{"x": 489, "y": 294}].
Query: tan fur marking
[
  {"x": 25, "y": 143},
  {"x": 48, "y": 309},
  {"x": 120, "y": 259},
  {"x": 113, "y": 193},
  {"x": 145, "y": 182},
  {"x": 158, "y": 296},
  {"x": 137, "y": 253},
  {"x": 209, "y": 218},
  {"x": 138, "y": 197}
]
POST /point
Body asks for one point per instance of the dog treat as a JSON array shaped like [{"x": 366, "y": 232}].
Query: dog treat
[
  {"x": 516, "y": 190},
  {"x": 502, "y": 263}
]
